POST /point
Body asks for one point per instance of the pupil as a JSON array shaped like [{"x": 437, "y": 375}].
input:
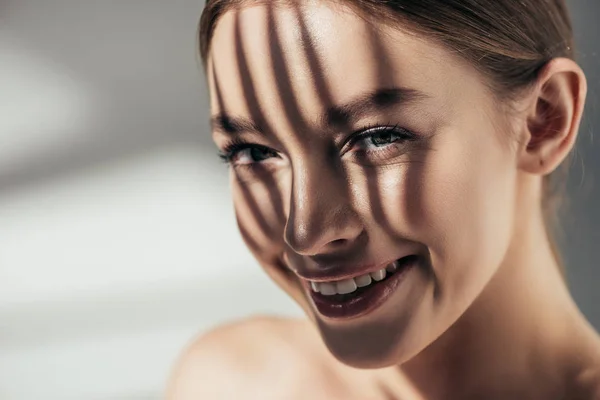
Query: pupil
[
  {"x": 382, "y": 138},
  {"x": 258, "y": 154}
]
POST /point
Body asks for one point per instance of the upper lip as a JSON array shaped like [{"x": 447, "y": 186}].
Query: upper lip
[{"x": 338, "y": 272}]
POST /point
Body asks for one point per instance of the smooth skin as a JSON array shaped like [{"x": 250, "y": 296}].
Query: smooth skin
[{"x": 362, "y": 143}]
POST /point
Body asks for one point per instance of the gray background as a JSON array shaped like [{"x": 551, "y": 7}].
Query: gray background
[
  {"x": 118, "y": 241},
  {"x": 581, "y": 221}
]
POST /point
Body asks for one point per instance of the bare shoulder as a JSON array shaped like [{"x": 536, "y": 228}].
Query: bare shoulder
[
  {"x": 259, "y": 357},
  {"x": 587, "y": 380}
]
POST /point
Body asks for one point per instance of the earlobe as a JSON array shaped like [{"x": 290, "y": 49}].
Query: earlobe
[{"x": 553, "y": 117}]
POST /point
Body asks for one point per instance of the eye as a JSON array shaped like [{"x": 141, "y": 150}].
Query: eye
[
  {"x": 246, "y": 154},
  {"x": 377, "y": 138},
  {"x": 251, "y": 155}
]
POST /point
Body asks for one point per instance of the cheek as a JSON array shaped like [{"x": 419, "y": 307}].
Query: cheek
[
  {"x": 466, "y": 209},
  {"x": 259, "y": 217},
  {"x": 260, "y": 209}
]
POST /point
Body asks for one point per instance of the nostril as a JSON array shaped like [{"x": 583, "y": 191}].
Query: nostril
[{"x": 338, "y": 242}]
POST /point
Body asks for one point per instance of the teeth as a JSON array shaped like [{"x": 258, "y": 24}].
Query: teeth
[
  {"x": 350, "y": 285},
  {"x": 392, "y": 267},
  {"x": 346, "y": 286},
  {"x": 314, "y": 286},
  {"x": 378, "y": 275},
  {"x": 364, "y": 280},
  {"x": 327, "y": 289}
]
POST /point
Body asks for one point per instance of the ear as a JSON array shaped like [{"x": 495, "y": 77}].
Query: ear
[{"x": 554, "y": 113}]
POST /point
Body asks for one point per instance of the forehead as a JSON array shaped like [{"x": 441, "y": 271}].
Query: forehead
[{"x": 303, "y": 59}]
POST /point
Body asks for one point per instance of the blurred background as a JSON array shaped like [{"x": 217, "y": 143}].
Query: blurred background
[{"x": 117, "y": 238}]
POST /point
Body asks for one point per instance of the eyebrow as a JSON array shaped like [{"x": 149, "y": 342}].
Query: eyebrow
[{"x": 334, "y": 117}]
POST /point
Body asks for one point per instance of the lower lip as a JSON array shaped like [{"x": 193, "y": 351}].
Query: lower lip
[{"x": 365, "y": 302}]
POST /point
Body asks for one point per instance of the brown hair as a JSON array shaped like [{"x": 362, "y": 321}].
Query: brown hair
[{"x": 508, "y": 41}]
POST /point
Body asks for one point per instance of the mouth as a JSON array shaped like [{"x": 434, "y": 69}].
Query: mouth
[{"x": 355, "y": 297}]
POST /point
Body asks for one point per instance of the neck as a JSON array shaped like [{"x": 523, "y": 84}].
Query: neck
[{"x": 517, "y": 339}]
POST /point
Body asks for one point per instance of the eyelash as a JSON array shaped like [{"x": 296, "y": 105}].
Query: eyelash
[
  {"x": 236, "y": 145},
  {"x": 373, "y": 130}
]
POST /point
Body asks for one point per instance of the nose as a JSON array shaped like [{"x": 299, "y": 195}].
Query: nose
[{"x": 321, "y": 216}]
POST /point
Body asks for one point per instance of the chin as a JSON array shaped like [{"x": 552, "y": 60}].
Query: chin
[
  {"x": 381, "y": 355},
  {"x": 376, "y": 344}
]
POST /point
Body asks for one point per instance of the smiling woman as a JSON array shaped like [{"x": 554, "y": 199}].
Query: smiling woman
[{"x": 390, "y": 167}]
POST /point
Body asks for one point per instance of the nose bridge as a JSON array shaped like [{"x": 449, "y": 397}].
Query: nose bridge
[{"x": 321, "y": 215}]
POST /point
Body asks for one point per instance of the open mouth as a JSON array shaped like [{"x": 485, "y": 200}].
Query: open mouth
[{"x": 356, "y": 296}]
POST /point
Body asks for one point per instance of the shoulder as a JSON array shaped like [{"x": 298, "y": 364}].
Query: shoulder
[
  {"x": 588, "y": 381},
  {"x": 587, "y": 375},
  {"x": 588, "y": 385},
  {"x": 250, "y": 356}
]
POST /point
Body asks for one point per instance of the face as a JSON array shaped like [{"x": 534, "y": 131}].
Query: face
[{"x": 370, "y": 172}]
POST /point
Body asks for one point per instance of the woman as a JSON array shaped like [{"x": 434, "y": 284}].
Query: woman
[{"x": 391, "y": 169}]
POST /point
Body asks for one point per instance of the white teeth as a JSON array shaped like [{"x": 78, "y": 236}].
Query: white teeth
[
  {"x": 364, "y": 280},
  {"x": 350, "y": 285},
  {"x": 327, "y": 289},
  {"x": 392, "y": 267},
  {"x": 378, "y": 275},
  {"x": 346, "y": 286},
  {"x": 314, "y": 286}
]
